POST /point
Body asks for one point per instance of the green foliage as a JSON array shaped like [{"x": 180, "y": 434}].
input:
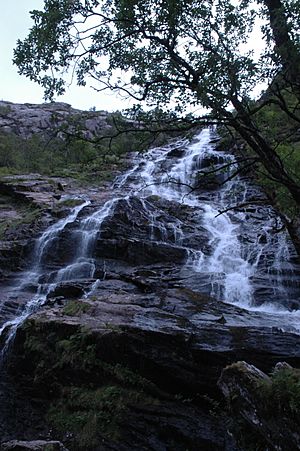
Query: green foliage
[
  {"x": 281, "y": 132},
  {"x": 88, "y": 397},
  {"x": 91, "y": 160},
  {"x": 281, "y": 395},
  {"x": 176, "y": 56},
  {"x": 194, "y": 34},
  {"x": 91, "y": 413},
  {"x": 35, "y": 155},
  {"x": 75, "y": 157},
  {"x": 70, "y": 203}
]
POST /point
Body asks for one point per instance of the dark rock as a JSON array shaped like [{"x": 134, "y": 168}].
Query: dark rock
[
  {"x": 208, "y": 181},
  {"x": 69, "y": 290},
  {"x": 36, "y": 445},
  {"x": 176, "y": 153},
  {"x": 139, "y": 252},
  {"x": 135, "y": 328},
  {"x": 145, "y": 231}
]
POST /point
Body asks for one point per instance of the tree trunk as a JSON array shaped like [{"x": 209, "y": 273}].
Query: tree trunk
[
  {"x": 267, "y": 155},
  {"x": 284, "y": 46}
]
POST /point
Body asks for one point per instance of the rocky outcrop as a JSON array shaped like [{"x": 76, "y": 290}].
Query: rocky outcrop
[
  {"x": 264, "y": 410},
  {"x": 150, "y": 231},
  {"x": 28, "y": 204},
  {"x": 29, "y": 119},
  {"x": 41, "y": 191},
  {"x": 141, "y": 357}
]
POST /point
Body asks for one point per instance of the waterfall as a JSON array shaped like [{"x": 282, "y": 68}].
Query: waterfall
[
  {"x": 250, "y": 264},
  {"x": 81, "y": 267}
]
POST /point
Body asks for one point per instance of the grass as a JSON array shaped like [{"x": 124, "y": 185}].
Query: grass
[{"x": 70, "y": 203}]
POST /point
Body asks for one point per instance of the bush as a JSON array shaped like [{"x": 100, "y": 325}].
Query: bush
[{"x": 281, "y": 395}]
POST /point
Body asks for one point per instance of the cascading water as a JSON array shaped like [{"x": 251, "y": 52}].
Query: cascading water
[
  {"x": 33, "y": 276},
  {"x": 248, "y": 263},
  {"x": 81, "y": 267}
]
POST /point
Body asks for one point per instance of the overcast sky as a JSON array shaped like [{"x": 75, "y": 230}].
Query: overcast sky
[{"x": 15, "y": 22}]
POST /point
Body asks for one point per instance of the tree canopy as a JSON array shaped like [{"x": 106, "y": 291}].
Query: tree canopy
[{"x": 178, "y": 54}]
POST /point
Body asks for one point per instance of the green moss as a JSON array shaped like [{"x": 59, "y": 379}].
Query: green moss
[
  {"x": 76, "y": 307},
  {"x": 70, "y": 203},
  {"x": 77, "y": 351},
  {"x": 91, "y": 413},
  {"x": 89, "y": 397},
  {"x": 28, "y": 215}
]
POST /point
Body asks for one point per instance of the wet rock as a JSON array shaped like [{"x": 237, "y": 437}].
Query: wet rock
[
  {"x": 178, "y": 152},
  {"x": 14, "y": 255},
  {"x": 36, "y": 445},
  {"x": 213, "y": 161},
  {"x": 139, "y": 252},
  {"x": 69, "y": 290},
  {"x": 165, "y": 345},
  {"x": 154, "y": 230},
  {"x": 208, "y": 182}
]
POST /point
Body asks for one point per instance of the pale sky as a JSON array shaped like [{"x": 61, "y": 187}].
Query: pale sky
[{"x": 15, "y": 22}]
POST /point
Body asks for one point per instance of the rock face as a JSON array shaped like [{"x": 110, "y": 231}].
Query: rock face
[
  {"x": 142, "y": 358},
  {"x": 125, "y": 352},
  {"x": 28, "y": 204},
  {"x": 28, "y": 119},
  {"x": 154, "y": 230}
]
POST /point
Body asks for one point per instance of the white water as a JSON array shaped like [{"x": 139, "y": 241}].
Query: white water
[
  {"x": 32, "y": 277},
  {"x": 247, "y": 264},
  {"x": 247, "y": 272}
]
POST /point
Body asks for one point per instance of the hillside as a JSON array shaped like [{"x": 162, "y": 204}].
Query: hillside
[{"x": 141, "y": 312}]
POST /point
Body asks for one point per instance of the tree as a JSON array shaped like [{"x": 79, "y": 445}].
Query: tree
[{"x": 177, "y": 54}]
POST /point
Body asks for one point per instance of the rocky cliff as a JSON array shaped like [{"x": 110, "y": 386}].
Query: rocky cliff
[{"x": 29, "y": 119}]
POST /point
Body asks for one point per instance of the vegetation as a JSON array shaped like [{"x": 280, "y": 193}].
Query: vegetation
[
  {"x": 67, "y": 149},
  {"x": 88, "y": 396},
  {"x": 180, "y": 55},
  {"x": 281, "y": 395},
  {"x": 89, "y": 414},
  {"x": 73, "y": 157},
  {"x": 23, "y": 215},
  {"x": 76, "y": 308}
]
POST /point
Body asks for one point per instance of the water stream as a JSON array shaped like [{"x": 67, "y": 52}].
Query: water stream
[{"x": 250, "y": 263}]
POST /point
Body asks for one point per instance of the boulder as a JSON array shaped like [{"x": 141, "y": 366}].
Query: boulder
[{"x": 69, "y": 290}]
